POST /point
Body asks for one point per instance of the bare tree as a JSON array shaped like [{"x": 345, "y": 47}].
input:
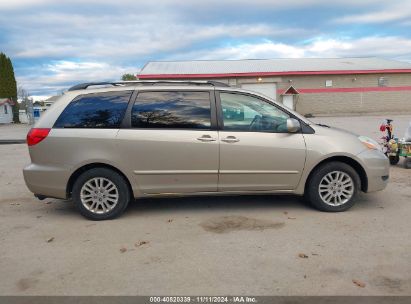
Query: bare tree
[
  {"x": 26, "y": 103},
  {"x": 22, "y": 92}
]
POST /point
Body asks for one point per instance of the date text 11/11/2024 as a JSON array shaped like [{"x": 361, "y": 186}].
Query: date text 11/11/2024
[{"x": 203, "y": 299}]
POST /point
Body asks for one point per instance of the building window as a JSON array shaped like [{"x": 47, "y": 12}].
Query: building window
[
  {"x": 232, "y": 82},
  {"x": 328, "y": 83},
  {"x": 5, "y": 109},
  {"x": 382, "y": 82}
]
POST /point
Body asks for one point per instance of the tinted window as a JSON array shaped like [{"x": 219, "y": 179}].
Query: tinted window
[
  {"x": 247, "y": 113},
  {"x": 181, "y": 110},
  {"x": 101, "y": 110}
]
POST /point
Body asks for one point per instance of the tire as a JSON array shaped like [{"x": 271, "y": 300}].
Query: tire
[
  {"x": 111, "y": 198},
  {"x": 394, "y": 159},
  {"x": 345, "y": 194},
  {"x": 407, "y": 163}
]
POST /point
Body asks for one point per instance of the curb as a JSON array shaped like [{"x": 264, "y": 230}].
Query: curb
[{"x": 12, "y": 141}]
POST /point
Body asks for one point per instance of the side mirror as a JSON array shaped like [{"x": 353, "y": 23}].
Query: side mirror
[{"x": 293, "y": 125}]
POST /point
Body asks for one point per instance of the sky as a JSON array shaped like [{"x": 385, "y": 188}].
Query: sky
[{"x": 55, "y": 44}]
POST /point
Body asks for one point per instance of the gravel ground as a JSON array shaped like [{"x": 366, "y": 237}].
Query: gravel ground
[
  {"x": 255, "y": 245},
  {"x": 13, "y": 131},
  {"x": 367, "y": 125}
]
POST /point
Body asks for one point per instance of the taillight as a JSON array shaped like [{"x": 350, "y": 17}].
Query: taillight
[{"x": 36, "y": 135}]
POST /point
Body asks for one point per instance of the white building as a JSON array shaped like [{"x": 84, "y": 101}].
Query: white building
[
  {"x": 49, "y": 101},
  {"x": 308, "y": 85},
  {"x": 6, "y": 110}
]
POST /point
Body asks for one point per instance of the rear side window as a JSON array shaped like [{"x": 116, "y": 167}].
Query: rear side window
[
  {"x": 100, "y": 110},
  {"x": 174, "y": 110}
]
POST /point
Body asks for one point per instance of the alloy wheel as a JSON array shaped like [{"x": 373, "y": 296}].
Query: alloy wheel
[
  {"x": 336, "y": 188},
  {"x": 99, "y": 195}
]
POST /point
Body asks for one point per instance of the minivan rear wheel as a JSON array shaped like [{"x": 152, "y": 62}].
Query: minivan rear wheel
[
  {"x": 333, "y": 187},
  {"x": 101, "y": 194}
]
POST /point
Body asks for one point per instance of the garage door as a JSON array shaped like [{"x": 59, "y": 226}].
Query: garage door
[{"x": 268, "y": 89}]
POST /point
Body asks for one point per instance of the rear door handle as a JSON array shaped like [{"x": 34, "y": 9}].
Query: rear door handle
[
  {"x": 206, "y": 138},
  {"x": 230, "y": 139}
]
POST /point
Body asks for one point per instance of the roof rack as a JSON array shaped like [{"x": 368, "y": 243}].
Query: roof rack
[{"x": 83, "y": 86}]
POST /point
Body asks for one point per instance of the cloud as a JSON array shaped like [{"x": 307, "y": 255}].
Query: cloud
[
  {"x": 59, "y": 75},
  {"x": 121, "y": 31},
  {"x": 10, "y": 5},
  {"x": 374, "y": 46},
  {"x": 158, "y": 4},
  {"x": 55, "y": 44},
  {"x": 39, "y": 97},
  {"x": 321, "y": 47},
  {"x": 392, "y": 11},
  {"x": 67, "y": 35},
  {"x": 266, "y": 49}
]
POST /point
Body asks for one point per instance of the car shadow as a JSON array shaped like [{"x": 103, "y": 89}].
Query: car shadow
[
  {"x": 232, "y": 202},
  {"x": 226, "y": 203},
  {"x": 170, "y": 205}
]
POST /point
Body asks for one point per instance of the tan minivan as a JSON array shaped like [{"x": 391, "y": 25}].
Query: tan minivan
[{"x": 103, "y": 144}]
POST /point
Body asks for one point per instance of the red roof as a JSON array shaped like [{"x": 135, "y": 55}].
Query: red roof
[
  {"x": 291, "y": 91},
  {"x": 6, "y": 100},
  {"x": 258, "y": 74}
]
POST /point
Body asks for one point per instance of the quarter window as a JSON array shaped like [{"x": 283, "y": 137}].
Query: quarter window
[
  {"x": 100, "y": 110},
  {"x": 173, "y": 109},
  {"x": 248, "y": 113}
]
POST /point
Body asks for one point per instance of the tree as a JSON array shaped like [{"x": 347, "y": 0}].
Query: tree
[
  {"x": 22, "y": 93},
  {"x": 127, "y": 77},
  {"x": 24, "y": 96},
  {"x": 3, "y": 76},
  {"x": 8, "y": 85}
]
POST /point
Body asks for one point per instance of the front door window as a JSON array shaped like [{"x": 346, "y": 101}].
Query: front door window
[{"x": 247, "y": 113}]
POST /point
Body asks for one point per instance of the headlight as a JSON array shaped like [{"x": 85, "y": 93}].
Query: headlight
[{"x": 369, "y": 143}]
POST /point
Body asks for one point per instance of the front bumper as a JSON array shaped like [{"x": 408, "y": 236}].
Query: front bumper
[{"x": 377, "y": 168}]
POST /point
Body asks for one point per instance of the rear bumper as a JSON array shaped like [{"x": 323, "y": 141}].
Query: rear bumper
[
  {"x": 377, "y": 167},
  {"x": 47, "y": 181}
]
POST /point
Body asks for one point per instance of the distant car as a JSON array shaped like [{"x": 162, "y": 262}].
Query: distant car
[{"x": 104, "y": 146}]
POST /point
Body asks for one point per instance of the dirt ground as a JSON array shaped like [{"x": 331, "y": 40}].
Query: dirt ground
[
  {"x": 367, "y": 125},
  {"x": 13, "y": 131},
  {"x": 254, "y": 245}
]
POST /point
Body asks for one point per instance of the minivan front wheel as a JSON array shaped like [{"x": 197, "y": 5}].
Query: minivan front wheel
[
  {"x": 333, "y": 187},
  {"x": 101, "y": 194}
]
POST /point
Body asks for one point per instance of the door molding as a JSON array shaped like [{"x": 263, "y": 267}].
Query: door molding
[
  {"x": 259, "y": 172},
  {"x": 168, "y": 172}
]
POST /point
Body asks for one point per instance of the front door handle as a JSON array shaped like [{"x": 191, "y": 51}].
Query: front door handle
[
  {"x": 206, "y": 138},
  {"x": 230, "y": 139}
]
